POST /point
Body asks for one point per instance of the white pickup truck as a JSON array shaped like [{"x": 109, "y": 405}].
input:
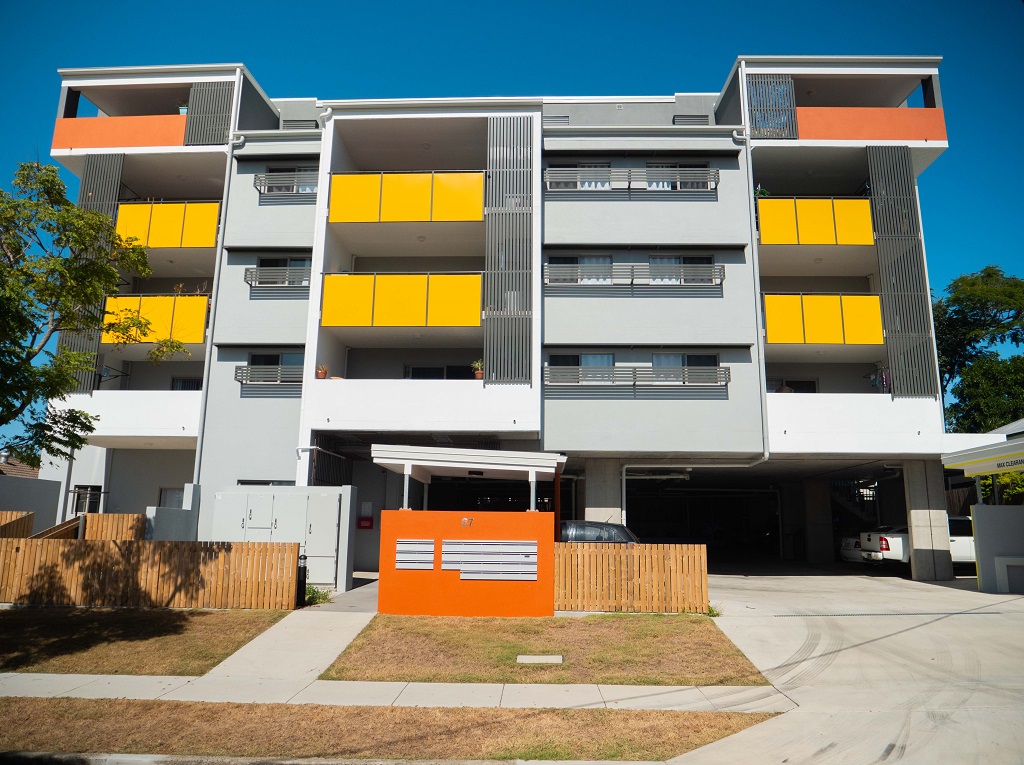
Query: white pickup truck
[{"x": 892, "y": 543}]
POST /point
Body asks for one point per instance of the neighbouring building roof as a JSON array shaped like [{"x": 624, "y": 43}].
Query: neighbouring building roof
[
  {"x": 1011, "y": 430},
  {"x": 16, "y": 469}
]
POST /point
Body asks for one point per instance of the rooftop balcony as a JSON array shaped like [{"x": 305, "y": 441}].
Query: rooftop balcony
[
  {"x": 117, "y": 132},
  {"x": 171, "y": 317},
  {"x": 169, "y": 224},
  {"x": 853, "y": 123}
]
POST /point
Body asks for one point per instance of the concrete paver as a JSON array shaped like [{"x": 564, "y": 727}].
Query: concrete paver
[
  {"x": 450, "y": 695},
  {"x": 127, "y": 687},
  {"x": 240, "y": 690},
  {"x": 43, "y": 686},
  {"x": 552, "y": 696},
  {"x": 747, "y": 698},
  {"x": 670, "y": 697}
]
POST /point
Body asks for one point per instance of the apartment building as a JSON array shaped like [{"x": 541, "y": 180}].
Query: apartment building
[{"x": 715, "y": 305}]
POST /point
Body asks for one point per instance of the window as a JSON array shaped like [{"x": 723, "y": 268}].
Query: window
[
  {"x": 277, "y": 359},
  {"x": 596, "y": 269},
  {"x": 661, "y": 176},
  {"x": 701, "y": 360},
  {"x": 788, "y": 385},
  {"x": 284, "y": 278},
  {"x": 589, "y": 176},
  {"x": 563, "y": 360},
  {"x": 564, "y": 269},
  {"x": 172, "y": 497},
  {"x": 186, "y": 383},
  {"x": 449, "y": 372},
  {"x": 699, "y": 260},
  {"x": 265, "y": 483},
  {"x": 664, "y": 270},
  {"x": 87, "y": 499},
  {"x": 597, "y": 368},
  {"x": 291, "y": 182}
]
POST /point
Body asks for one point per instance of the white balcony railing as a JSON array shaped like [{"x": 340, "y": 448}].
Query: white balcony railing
[{"x": 637, "y": 376}]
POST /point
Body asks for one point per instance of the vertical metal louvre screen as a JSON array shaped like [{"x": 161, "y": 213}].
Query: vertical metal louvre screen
[
  {"x": 772, "y": 106},
  {"x": 906, "y": 304},
  {"x": 99, "y": 189},
  {"x": 209, "y": 113},
  {"x": 508, "y": 207}
]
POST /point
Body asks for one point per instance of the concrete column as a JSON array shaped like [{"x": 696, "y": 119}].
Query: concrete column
[
  {"x": 928, "y": 521},
  {"x": 602, "y": 491},
  {"x": 818, "y": 521}
]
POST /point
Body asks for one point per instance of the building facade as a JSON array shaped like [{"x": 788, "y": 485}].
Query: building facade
[{"x": 715, "y": 305}]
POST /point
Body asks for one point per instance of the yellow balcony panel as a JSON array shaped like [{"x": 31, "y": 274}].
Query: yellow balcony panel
[
  {"x": 133, "y": 221},
  {"x": 189, "y": 323},
  {"x": 348, "y": 300},
  {"x": 862, "y": 320},
  {"x": 200, "y": 225},
  {"x": 166, "y": 224},
  {"x": 405, "y": 197},
  {"x": 458, "y": 196},
  {"x": 454, "y": 300},
  {"x": 400, "y": 300},
  {"x": 853, "y": 221},
  {"x": 158, "y": 310},
  {"x": 814, "y": 221},
  {"x": 115, "y": 311},
  {"x": 355, "y": 199},
  {"x": 783, "y": 317},
  {"x": 777, "y": 218},
  {"x": 823, "y": 319}
]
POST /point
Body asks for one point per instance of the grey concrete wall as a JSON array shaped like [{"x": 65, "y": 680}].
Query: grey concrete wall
[
  {"x": 137, "y": 475},
  {"x": 728, "y": 110},
  {"x": 251, "y": 224},
  {"x": 147, "y": 376},
  {"x": 593, "y": 219},
  {"x": 246, "y": 317},
  {"x": 831, "y": 378},
  {"x": 930, "y": 558},
  {"x": 416, "y": 265},
  {"x": 245, "y": 438},
  {"x": 171, "y": 524},
  {"x": 998, "y": 532},
  {"x": 254, "y": 113},
  {"x": 618, "y": 314},
  {"x": 602, "y": 490},
  {"x": 613, "y": 113},
  {"x": 595, "y": 423},
  {"x": 32, "y": 495},
  {"x": 818, "y": 521}
]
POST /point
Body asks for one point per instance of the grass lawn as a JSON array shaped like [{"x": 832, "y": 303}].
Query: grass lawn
[
  {"x": 283, "y": 730},
  {"x": 97, "y": 641},
  {"x": 615, "y": 649}
]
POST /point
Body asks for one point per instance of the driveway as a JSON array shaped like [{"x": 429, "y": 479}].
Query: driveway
[{"x": 882, "y": 669}]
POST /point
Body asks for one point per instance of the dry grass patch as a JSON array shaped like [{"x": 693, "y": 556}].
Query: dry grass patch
[
  {"x": 281, "y": 730},
  {"x": 96, "y": 641},
  {"x": 617, "y": 649}
]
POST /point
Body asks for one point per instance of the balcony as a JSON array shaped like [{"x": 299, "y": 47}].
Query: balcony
[
  {"x": 630, "y": 274},
  {"x": 141, "y": 419},
  {"x": 402, "y": 300},
  {"x": 823, "y": 319},
  {"x": 118, "y": 132},
  {"x": 633, "y": 182},
  {"x": 278, "y": 277},
  {"x": 406, "y": 197},
  {"x": 270, "y": 375},
  {"x": 852, "y": 123},
  {"x": 809, "y": 221},
  {"x": 169, "y": 224},
  {"x": 637, "y": 377},
  {"x": 286, "y": 188},
  {"x": 171, "y": 317}
]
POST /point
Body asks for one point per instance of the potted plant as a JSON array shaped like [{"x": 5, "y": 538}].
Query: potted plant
[
  {"x": 321, "y": 371},
  {"x": 182, "y": 107},
  {"x": 478, "y": 369}
]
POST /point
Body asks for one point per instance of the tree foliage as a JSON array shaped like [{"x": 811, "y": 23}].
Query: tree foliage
[
  {"x": 58, "y": 262},
  {"x": 981, "y": 310},
  {"x": 989, "y": 393},
  {"x": 1011, "y": 488}
]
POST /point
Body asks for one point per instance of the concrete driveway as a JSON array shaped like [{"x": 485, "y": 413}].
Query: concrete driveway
[{"x": 882, "y": 669}]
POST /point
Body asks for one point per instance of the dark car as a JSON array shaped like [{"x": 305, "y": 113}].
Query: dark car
[{"x": 596, "y": 531}]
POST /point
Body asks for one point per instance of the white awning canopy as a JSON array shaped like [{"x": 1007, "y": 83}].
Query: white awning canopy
[
  {"x": 422, "y": 462},
  {"x": 1005, "y": 457}
]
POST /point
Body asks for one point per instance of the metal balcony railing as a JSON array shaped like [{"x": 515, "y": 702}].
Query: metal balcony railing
[
  {"x": 278, "y": 276},
  {"x": 680, "y": 179},
  {"x": 260, "y": 374},
  {"x": 637, "y": 376},
  {"x": 304, "y": 183},
  {"x": 633, "y": 274}
]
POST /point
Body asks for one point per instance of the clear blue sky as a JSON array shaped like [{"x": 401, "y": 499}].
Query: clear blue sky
[{"x": 971, "y": 197}]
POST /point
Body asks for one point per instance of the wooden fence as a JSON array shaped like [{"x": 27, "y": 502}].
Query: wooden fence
[
  {"x": 16, "y": 524},
  {"x": 631, "y": 578},
  {"x": 111, "y": 526},
  {"x": 66, "y": 530},
  {"x": 140, "y": 574}
]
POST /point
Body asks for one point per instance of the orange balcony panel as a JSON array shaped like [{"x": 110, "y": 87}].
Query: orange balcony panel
[
  {"x": 848, "y": 123},
  {"x": 115, "y": 132}
]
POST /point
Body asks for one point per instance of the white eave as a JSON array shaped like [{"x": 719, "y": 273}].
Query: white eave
[
  {"x": 1004, "y": 457},
  {"x": 423, "y": 462}
]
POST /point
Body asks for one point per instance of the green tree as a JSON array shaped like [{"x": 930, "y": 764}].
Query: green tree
[
  {"x": 1011, "y": 488},
  {"x": 981, "y": 310},
  {"x": 58, "y": 262},
  {"x": 989, "y": 393}
]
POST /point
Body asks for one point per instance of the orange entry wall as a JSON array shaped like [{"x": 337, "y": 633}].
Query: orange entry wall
[
  {"x": 855, "y": 123},
  {"x": 114, "y": 132},
  {"x": 431, "y": 563}
]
